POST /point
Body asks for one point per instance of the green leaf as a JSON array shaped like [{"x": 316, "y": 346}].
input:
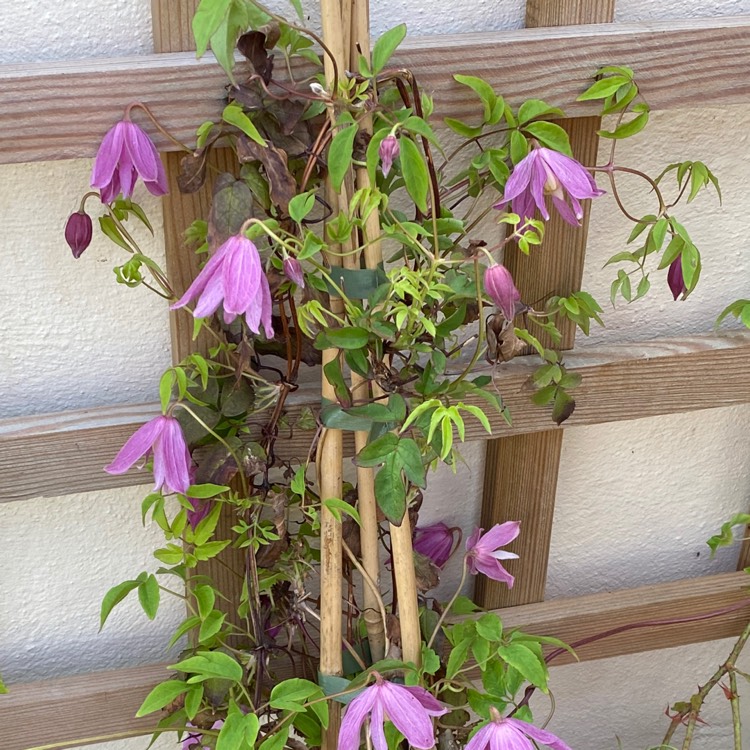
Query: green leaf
[
  {"x": 209, "y": 550},
  {"x": 390, "y": 491},
  {"x": 162, "y": 695},
  {"x": 301, "y": 205},
  {"x": 603, "y": 88},
  {"x": 420, "y": 127},
  {"x": 232, "y": 734},
  {"x": 165, "y": 389},
  {"x": 186, "y": 626},
  {"x": 204, "y": 491},
  {"x": 483, "y": 90},
  {"x": 234, "y": 115},
  {"x": 348, "y": 338},
  {"x": 208, "y": 18},
  {"x": 523, "y": 659},
  {"x": 376, "y": 452},
  {"x": 467, "y": 131},
  {"x": 340, "y": 155},
  {"x": 410, "y": 458},
  {"x": 207, "y": 664},
  {"x": 149, "y": 595},
  {"x": 289, "y": 695},
  {"x": 550, "y": 135},
  {"x": 108, "y": 226},
  {"x": 205, "y": 596},
  {"x": 519, "y": 146},
  {"x": 276, "y": 741},
  {"x": 386, "y": 46},
  {"x": 490, "y": 627},
  {"x": 337, "y": 507},
  {"x": 534, "y": 108},
  {"x": 631, "y": 127},
  {"x": 414, "y": 172},
  {"x": 205, "y": 529},
  {"x": 113, "y": 597}
]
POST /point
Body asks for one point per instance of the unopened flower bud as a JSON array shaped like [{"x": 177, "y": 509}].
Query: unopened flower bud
[
  {"x": 436, "y": 542},
  {"x": 78, "y": 232},
  {"x": 293, "y": 271},
  {"x": 498, "y": 283},
  {"x": 387, "y": 152},
  {"x": 674, "y": 278}
]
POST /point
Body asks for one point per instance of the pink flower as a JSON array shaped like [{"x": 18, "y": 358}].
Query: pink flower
[
  {"x": 78, "y": 232},
  {"x": 674, "y": 278},
  {"x": 293, "y": 271},
  {"x": 436, "y": 542},
  {"x": 546, "y": 172},
  {"x": 388, "y": 151},
  {"x": 125, "y": 154},
  {"x": 163, "y": 437},
  {"x": 410, "y": 708},
  {"x": 498, "y": 283},
  {"x": 233, "y": 275},
  {"x": 483, "y": 555},
  {"x": 512, "y": 734}
]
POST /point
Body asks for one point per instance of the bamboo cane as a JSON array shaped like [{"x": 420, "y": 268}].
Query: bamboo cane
[{"x": 401, "y": 538}]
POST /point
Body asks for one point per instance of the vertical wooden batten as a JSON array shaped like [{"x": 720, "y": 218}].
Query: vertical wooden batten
[
  {"x": 520, "y": 478},
  {"x": 172, "y": 29}
]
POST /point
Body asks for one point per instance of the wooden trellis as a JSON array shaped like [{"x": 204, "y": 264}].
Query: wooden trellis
[{"x": 61, "y": 111}]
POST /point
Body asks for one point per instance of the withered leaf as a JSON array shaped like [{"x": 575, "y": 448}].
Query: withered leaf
[
  {"x": 215, "y": 465},
  {"x": 250, "y": 96},
  {"x": 192, "y": 174},
  {"x": 282, "y": 185},
  {"x": 563, "y": 407},
  {"x": 232, "y": 206},
  {"x": 253, "y": 46}
]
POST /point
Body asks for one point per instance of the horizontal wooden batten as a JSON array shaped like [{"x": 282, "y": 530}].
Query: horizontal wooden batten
[
  {"x": 63, "y": 453},
  {"x": 61, "y": 110},
  {"x": 94, "y": 705}
]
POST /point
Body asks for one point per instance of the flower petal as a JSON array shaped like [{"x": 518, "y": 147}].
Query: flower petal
[
  {"x": 499, "y": 535},
  {"x": 428, "y": 701},
  {"x": 481, "y": 739},
  {"x": 211, "y": 297},
  {"x": 573, "y": 176},
  {"x": 493, "y": 569},
  {"x": 201, "y": 280},
  {"x": 408, "y": 715},
  {"x": 137, "y": 446},
  {"x": 538, "y": 181},
  {"x": 241, "y": 273},
  {"x": 507, "y": 737},
  {"x": 565, "y": 211},
  {"x": 142, "y": 151},
  {"x": 266, "y": 307},
  {"x": 172, "y": 458},
  {"x": 540, "y": 735},
  {"x": 354, "y": 717},
  {"x": 107, "y": 157},
  {"x": 520, "y": 178}
]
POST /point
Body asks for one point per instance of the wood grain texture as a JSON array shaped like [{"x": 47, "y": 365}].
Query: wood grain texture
[
  {"x": 56, "y": 454},
  {"x": 104, "y": 703},
  {"x": 520, "y": 479},
  {"x": 171, "y": 21},
  {"x": 61, "y": 110}
]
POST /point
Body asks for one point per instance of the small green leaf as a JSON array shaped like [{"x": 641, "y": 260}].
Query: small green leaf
[
  {"x": 149, "y": 595},
  {"x": 348, "y": 338},
  {"x": 519, "y": 146},
  {"x": 207, "y": 664},
  {"x": 550, "y": 135},
  {"x": 162, "y": 695},
  {"x": 207, "y": 490},
  {"x": 301, "y": 205},
  {"x": 232, "y": 734},
  {"x": 337, "y": 507},
  {"x": 376, "y": 452},
  {"x": 603, "y": 88},
  {"x": 523, "y": 659},
  {"x": 386, "y": 46},
  {"x": 483, "y": 90},
  {"x": 390, "y": 492},
  {"x": 340, "y": 155},
  {"x": 234, "y": 115},
  {"x": 533, "y": 108},
  {"x": 113, "y": 597},
  {"x": 207, "y": 19},
  {"x": 414, "y": 172}
]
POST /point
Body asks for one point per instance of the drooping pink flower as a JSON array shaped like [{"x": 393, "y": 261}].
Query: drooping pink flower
[
  {"x": 233, "y": 276},
  {"x": 78, "y": 232},
  {"x": 512, "y": 734},
  {"x": 125, "y": 154},
  {"x": 194, "y": 740},
  {"x": 675, "y": 279},
  {"x": 388, "y": 151},
  {"x": 498, "y": 283},
  {"x": 483, "y": 554},
  {"x": 409, "y": 708},
  {"x": 293, "y": 271},
  {"x": 163, "y": 437},
  {"x": 547, "y": 172},
  {"x": 436, "y": 541}
]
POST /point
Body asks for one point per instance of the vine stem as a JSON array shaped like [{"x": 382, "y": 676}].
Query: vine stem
[
  {"x": 736, "y": 719},
  {"x": 450, "y": 604}
]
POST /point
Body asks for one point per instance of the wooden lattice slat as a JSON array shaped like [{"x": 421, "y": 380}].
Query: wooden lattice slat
[
  {"x": 61, "y": 110},
  {"x": 520, "y": 480},
  {"x": 57, "y": 454}
]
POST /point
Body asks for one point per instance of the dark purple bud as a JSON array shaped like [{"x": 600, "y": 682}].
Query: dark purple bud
[
  {"x": 387, "y": 152},
  {"x": 675, "y": 279},
  {"x": 293, "y": 271},
  {"x": 437, "y": 542},
  {"x": 201, "y": 508},
  {"x": 498, "y": 283},
  {"x": 78, "y": 232}
]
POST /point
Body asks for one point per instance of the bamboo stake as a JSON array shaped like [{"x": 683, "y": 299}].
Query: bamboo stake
[
  {"x": 401, "y": 536},
  {"x": 330, "y": 454}
]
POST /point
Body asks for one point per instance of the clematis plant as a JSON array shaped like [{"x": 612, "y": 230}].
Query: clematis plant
[{"x": 330, "y": 171}]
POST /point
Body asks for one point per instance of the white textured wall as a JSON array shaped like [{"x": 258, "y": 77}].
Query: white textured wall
[{"x": 636, "y": 500}]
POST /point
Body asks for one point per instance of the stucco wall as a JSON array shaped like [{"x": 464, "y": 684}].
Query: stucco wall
[{"x": 636, "y": 500}]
